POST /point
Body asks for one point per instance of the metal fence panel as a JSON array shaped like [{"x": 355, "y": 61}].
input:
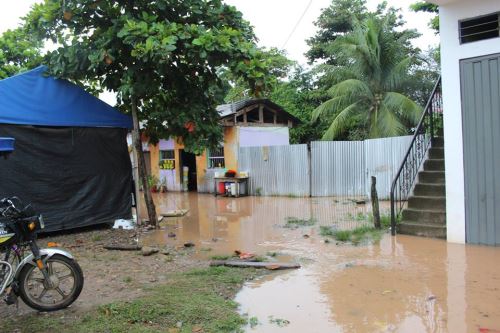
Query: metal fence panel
[
  {"x": 338, "y": 168},
  {"x": 276, "y": 170},
  {"x": 383, "y": 158},
  {"x": 207, "y": 186}
]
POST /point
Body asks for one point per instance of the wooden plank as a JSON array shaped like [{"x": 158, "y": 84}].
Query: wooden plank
[
  {"x": 122, "y": 247},
  {"x": 175, "y": 213},
  {"x": 253, "y": 264},
  {"x": 261, "y": 125}
]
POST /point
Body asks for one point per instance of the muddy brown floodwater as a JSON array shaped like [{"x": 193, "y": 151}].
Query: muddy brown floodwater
[{"x": 397, "y": 284}]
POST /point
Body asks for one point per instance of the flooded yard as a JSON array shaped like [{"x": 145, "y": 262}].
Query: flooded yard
[{"x": 395, "y": 284}]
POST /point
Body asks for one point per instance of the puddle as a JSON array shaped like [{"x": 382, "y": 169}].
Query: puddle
[{"x": 397, "y": 284}]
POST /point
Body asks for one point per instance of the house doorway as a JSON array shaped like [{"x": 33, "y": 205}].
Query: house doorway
[
  {"x": 480, "y": 79},
  {"x": 189, "y": 160}
]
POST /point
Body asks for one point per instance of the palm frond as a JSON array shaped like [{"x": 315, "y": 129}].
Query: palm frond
[
  {"x": 339, "y": 123},
  {"x": 389, "y": 124},
  {"x": 403, "y": 106},
  {"x": 353, "y": 88},
  {"x": 326, "y": 109},
  {"x": 397, "y": 74}
]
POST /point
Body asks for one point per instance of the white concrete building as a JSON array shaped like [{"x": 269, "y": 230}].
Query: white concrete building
[{"x": 470, "y": 62}]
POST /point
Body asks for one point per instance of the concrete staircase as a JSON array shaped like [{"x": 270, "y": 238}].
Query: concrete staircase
[{"x": 426, "y": 211}]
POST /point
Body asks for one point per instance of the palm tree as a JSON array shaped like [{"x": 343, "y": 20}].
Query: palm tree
[{"x": 377, "y": 67}]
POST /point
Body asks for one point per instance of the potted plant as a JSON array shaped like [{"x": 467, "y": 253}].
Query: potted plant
[{"x": 153, "y": 183}]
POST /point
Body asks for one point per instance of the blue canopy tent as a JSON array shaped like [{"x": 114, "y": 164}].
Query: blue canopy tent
[{"x": 71, "y": 159}]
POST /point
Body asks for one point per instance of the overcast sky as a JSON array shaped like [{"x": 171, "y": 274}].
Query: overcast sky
[{"x": 273, "y": 20}]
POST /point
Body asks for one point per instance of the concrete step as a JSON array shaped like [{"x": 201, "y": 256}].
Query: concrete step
[
  {"x": 434, "y": 177},
  {"x": 434, "y": 165},
  {"x": 419, "y": 229},
  {"x": 438, "y": 142},
  {"x": 430, "y": 190},
  {"x": 436, "y": 153},
  {"x": 429, "y": 203},
  {"x": 424, "y": 216}
]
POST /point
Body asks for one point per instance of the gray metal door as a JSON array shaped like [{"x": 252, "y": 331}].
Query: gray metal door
[{"x": 481, "y": 134}]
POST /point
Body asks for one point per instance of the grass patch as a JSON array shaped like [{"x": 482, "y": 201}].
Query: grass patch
[
  {"x": 385, "y": 220},
  {"x": 200, "y": 298},
  {"x": 253, "y": 322},
  {"x": 259, "y": 259},
  {"x": 343, "y": 235},
  {"x": 357, "y": 235},
  {"x": 294, "y": 222},
  {"x": 221, "y": 257},
  {"x": 96, "y": 238},
  {"x": 326, "y": 231}
]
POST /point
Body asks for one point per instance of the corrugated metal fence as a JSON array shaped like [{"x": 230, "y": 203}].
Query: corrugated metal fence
[
  {"x": 333, "y": 168},
  {"x": 276, "y": 170},
  {"x": 338, "y": 168},
  {"x": 383, "y": 158}
]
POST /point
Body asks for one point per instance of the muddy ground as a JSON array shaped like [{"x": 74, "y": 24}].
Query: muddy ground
[{"x": 113, "y": 275}]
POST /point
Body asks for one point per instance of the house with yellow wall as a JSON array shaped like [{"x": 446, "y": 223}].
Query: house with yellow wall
[{"x": 247, "y": 123}]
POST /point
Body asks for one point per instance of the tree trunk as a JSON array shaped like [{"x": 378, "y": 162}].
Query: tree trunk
[
  {"x": 141, "y": 164},
  {"x": 375, "y": 207}
]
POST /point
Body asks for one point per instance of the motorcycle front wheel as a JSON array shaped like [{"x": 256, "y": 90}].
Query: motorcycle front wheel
[{"x": 66, "y": 279}]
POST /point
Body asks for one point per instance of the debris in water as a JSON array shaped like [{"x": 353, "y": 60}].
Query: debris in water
[
  {"x": 175, "y": 213},
  {"x": 305, "y": 236},
  {"x": 189, "y": 244},
  {"x": 124, "y": 224},
  {"x": 171, "y": 235},
  {"x": 244, "y": 255},
  {"x": 431, "y": 298},
  {"x": 278, "y": 321}
]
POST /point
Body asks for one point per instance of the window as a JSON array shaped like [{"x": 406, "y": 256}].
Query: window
[
  {"x": 216, "y": 158},
  {"x": 167, "y": 159},
  {"x": 479, "y": 28}
]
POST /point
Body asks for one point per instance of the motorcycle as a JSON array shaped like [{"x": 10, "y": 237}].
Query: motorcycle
[{"x": 45, "y": 279}]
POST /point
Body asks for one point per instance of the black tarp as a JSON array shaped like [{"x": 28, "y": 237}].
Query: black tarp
[{"x": 74, "y": 176}]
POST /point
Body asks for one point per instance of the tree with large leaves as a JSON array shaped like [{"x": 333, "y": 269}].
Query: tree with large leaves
[
  {"x": 370, "y": 95},
  {"x": 161, "y": 58},
  {"x": 18, "y": 52},
  {"x": 334, "y": 21},
  {"x": 422, "y": 6}
]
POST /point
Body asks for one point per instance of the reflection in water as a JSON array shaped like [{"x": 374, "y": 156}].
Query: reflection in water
[{"x": 401, "y": 284}]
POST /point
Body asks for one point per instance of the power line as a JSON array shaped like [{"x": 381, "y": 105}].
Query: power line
[{"x": 297, "y": 24}]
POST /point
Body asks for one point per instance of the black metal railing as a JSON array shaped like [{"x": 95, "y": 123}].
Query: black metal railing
[{"x": 429, "y": 126}]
